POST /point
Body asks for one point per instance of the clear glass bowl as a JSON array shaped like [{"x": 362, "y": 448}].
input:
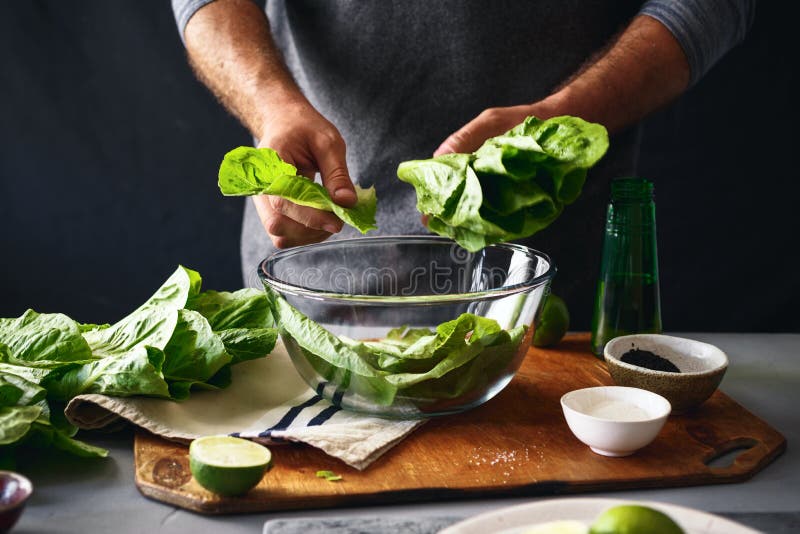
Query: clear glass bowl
[{"x": 357, "y": 292}]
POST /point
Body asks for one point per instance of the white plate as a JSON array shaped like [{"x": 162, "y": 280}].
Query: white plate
[{"x": 516, "y": 519}]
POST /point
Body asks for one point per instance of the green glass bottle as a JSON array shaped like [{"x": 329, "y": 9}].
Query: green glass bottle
[{"x": 628, "y": 300}]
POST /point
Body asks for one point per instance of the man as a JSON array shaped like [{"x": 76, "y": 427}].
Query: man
[{"x": 351, "y": 88}]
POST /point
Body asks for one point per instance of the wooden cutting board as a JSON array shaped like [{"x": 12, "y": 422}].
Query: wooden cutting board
[{"x": 517, "y": 443}]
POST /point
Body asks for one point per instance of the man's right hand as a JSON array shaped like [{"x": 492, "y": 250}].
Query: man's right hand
[
  {"x": 232, "y": 52},
  {"x": 304, "y": 138}
]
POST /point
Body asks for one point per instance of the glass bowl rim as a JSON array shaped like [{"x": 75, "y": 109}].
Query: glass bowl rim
[{"x": 297, "y": 290}]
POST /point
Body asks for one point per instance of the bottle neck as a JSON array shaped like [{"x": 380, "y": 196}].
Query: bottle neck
[
  {"x": 632, "y": 206},
  {"x": 631, "y": 191}
]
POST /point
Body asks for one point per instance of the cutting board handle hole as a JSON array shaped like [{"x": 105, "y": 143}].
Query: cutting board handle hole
[{"x": 726, "y": 455}]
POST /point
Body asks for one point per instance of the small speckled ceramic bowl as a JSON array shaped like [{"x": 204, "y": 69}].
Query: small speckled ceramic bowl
[
  {"x": 14, "y": 492},
  {"x": 701, "y": 365}
]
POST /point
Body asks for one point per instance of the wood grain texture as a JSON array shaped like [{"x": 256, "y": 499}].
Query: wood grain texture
[{"x": 517, "y": 443}]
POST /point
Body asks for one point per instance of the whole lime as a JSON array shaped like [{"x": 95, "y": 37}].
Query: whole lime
[
  {"x": 226, "y": 465},
  {"x": 553, "y": 323},
  {"x": 634, "y": 519}
]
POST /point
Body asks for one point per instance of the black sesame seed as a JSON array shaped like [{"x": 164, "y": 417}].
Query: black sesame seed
[{"x": 649, "y": 360}]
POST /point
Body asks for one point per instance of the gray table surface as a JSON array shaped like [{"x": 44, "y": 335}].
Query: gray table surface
[{"x": 100, "y": 496}]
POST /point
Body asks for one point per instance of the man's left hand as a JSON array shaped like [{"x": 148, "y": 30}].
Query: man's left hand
[{"x": 490, "y": 123}]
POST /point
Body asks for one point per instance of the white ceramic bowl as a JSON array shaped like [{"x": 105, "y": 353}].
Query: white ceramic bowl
[{"x": 615, "y": 420}]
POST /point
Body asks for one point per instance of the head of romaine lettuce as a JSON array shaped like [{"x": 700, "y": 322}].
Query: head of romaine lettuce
[{"x": 513, "y": 186}]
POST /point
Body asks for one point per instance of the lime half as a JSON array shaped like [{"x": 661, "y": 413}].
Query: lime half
[
  {"x": 634, "y": 519},
  {"x": 227, "y": 465},
  {"x": 558, "y": 527}
]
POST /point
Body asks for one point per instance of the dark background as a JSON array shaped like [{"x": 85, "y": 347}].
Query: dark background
[{"x": 109, "y": 150}]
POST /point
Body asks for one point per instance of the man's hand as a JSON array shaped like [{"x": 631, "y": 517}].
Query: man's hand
[
  {"x": 304, "y": 138},
  {"x": 491, "y": 122},
  {"x": 232, "y": 52}
]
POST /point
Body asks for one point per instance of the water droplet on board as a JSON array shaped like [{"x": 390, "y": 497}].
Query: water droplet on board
[{"x": 171, "y": 473}]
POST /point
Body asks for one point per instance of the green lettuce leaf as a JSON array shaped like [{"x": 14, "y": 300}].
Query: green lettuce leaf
[
  {"x": 175, "y": 292},
  {"x": 457, "y": 342},
  {"x": 408, "y": 362},
  {"x": 152, "y": 327},
  {"x": 475, "y": 375},
  {"x": 330, "y": 356},
  {"x": 27, "y": 421},
  {"x": 471, "y": 240},
  {"x": 247, "y": 171},
  {"x": 136, "y": 372},
  {"x": 39, "y": 339},
  {"x": 394, "y": 358},
  {"x": 194, "y": 351},
  {"x": 566, "y": 139},
  {"x": 31, "y": 374},
  {"x": 513, "y": 186},
  {"x": 514, "y": 155},
  {"x": 88, "y": 327},
  {"x": 405, "y": 336},
  {"x": 16, "y": 421},
  {"x": 17, "y": 391},
  {"x": 504, "y": 196},
  {"x": 242, "y": 320},
  {"x": 153, "y": 323},
  {"x": 248, "y": 343},
  {"x": 44, "y": 435},
  {"x": 438, "y": 182},
  {"x": 313, "y": 337},
  {"x": 9, "y": 393},
  {"x": 178, "y": 340},
  {"x": 246, "y": 308}
]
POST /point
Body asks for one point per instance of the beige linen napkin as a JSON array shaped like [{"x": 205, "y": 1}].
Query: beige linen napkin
[{"x": 267, "y": 402}]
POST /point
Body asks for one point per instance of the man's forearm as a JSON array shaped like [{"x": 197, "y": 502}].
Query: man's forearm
[
  {"x": 643, "y": 70},
  {"x": 231, "y": 49}
]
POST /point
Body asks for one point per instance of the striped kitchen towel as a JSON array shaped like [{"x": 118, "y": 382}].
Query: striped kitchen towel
[{"x": 267, "y": 402}]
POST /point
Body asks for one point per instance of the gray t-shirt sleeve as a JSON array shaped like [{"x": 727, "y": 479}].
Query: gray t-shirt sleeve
[
  {"x": 705, "y": 29},
  {"x": 184, "y": 9}
]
